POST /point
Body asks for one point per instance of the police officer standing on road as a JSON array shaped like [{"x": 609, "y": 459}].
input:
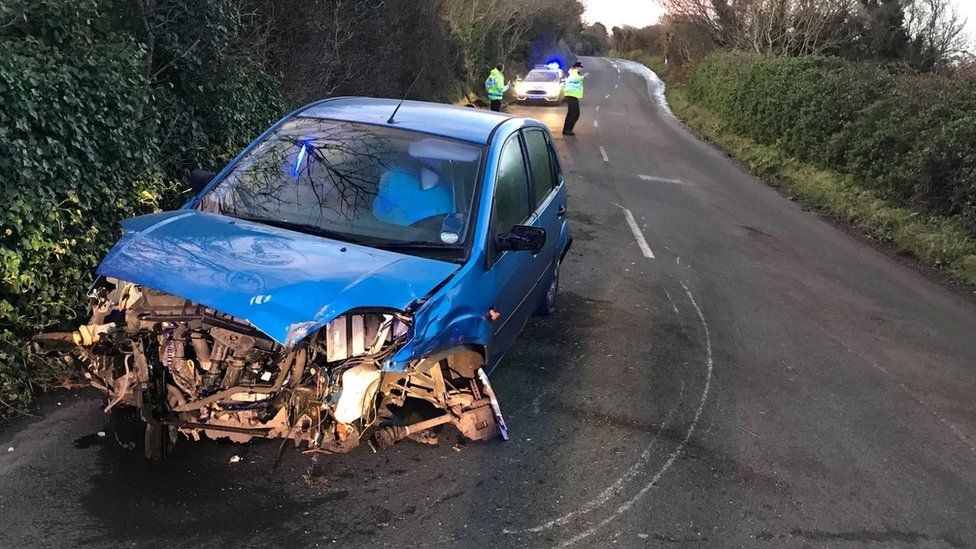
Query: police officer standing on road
[
  {"x": 573, "y": 92},
  {"x": 495, "y": 85}
]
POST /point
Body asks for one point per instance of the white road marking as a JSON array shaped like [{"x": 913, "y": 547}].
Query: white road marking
[
  {"x": 638, "y": 235},
  {"x": 924, "y": 404},
  {"x": 673, "y": 306},
  {"x": 660, "y": 179},
  {"x": 677, "y": 451},
  {"x": 607, "y": 97},
  {"x": 611, "y": 490},
  {"x": 598, "y": 108},
  {"x": 615, "y": 86},
  {"x": 603, "y": 153},
  {"x": 596, "y": 123},
  {"x": 635, "y": 469}
]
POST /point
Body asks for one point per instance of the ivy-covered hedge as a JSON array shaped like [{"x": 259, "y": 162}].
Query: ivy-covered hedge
[
  {"x": 99, "y": 123},
  {"x": 910, "y": 137}
]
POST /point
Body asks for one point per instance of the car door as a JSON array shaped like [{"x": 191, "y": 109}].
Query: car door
[
  {"x": 513, "y": 274},
  {"x": 548, "y": 199}
]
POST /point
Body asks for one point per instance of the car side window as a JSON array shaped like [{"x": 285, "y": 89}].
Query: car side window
[
  {"x": 511, "y": 203},
  {"x": 540, "y": 162},
  {"x": 557, "y": 171}
]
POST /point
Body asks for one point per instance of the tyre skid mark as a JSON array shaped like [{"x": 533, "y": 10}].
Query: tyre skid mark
[
  {"x": 607, "y": 494},
  {"x": 627, "y": 505}
]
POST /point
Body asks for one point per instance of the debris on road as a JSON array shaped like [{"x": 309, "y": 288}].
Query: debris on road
[
  {"x": 235, "y": 459},
  {"x": 11, "y": 449}
]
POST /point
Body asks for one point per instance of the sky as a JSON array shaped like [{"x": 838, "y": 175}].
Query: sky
[
  {"x": 640, "y": 13},
  {"x": 617, "y": 13}
]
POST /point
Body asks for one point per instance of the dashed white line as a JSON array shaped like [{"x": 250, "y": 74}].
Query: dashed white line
[
  {"x": 615, "y": 86},
  {"x": 598, "y": 108},
  {"x": 596, "y": 123},
  {"x": 660, "y": 179},
  {"x": 607, "y": 97},
  {"x": 603, "y": 153},
  {"x": 638, "y": 235}
]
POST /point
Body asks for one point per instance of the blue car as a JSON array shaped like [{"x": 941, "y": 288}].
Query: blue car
[{"x": 357, "y": 270}]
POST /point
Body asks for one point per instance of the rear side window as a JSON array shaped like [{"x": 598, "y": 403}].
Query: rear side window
[
  {"x": 511, "y": 204},
  {"x": 540, "y": 162}
]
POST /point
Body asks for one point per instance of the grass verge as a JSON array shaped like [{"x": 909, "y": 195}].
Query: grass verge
[{"x": 934, "y": 240}]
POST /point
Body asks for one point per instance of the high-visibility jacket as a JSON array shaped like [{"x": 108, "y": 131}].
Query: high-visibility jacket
[
  {"x": 574, "y": 84},
  {"x": 495, "y": 85}
]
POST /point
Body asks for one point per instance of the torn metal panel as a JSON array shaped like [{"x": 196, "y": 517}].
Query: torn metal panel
[{"x": 198, "y": 371}]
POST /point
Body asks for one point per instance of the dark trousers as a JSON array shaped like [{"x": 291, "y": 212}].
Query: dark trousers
[
  {"x": 572, "y": 115},
  {"x": 496, "y": 105}
]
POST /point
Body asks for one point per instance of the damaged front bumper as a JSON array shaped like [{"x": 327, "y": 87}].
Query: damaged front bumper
[{"x": 192, "y": 370}]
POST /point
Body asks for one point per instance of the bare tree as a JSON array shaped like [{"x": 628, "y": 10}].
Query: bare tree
[
  {"x": 937, "y": 30},
  {"x": 783, "y": 27},
  {"x": 498, "y": 30}
]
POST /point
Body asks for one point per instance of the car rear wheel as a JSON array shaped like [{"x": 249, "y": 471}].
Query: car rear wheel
[{"x": 547, "y": 306}]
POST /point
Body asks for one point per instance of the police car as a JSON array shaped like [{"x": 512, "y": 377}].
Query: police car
[{"x": 543, "y": 83}]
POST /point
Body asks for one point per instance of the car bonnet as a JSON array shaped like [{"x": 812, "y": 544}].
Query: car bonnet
[{"x": 284, "y": 283}]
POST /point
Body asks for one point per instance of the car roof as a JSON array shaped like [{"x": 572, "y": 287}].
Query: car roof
[{"x": 464, "y": 123}]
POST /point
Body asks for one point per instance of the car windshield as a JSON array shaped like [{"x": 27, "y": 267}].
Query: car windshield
[
  {"x": 373, "y": 185},
  {"x": 542, "y": 76}
]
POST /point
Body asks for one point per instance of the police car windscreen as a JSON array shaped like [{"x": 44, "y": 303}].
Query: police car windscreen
[{"x": 542, "y": 76}]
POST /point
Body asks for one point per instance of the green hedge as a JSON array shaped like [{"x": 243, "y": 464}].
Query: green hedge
[
  {"x": 95, "y": 127},
  {"x": 910, "y": 137}
]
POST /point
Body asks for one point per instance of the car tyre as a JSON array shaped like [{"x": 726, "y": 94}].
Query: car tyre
[{"x": 547, "y": 306}]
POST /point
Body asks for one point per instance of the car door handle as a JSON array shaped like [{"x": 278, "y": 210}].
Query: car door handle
[{"x": 561, "y": 212}]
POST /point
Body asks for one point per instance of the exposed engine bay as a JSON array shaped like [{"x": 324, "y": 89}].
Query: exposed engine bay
[{"x": 194, "y": 371}]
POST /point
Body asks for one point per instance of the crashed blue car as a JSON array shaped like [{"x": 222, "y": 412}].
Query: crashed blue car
[{"x": 356, "y": 271}]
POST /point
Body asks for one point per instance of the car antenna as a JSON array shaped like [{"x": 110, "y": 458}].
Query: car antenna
[{"x": 400, "y": 104}]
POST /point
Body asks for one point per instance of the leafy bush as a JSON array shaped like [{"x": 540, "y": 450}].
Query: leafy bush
[
  {"x": 77, "y": 151},
  {"x": 918, "y": 144},
  {"x": 910, "y": 137},
  {"x": 96, "y": 125}
]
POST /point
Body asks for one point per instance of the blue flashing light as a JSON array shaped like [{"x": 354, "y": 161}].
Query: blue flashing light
[
  {"x": 554, "y": 65},
  {"x": 302, "y": 153}
]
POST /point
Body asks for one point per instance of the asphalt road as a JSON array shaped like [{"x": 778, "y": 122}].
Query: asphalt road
[{"x": 765, "y": 379}]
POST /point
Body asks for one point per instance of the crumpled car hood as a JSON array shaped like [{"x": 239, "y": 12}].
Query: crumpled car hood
[{"x": 284, "y": 283}]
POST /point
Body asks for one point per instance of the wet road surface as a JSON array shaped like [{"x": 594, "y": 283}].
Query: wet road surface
[{"x": 725, "y": 370}]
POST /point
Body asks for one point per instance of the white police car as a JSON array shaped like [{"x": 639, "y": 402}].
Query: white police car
[{"x": 543, "y": 83}]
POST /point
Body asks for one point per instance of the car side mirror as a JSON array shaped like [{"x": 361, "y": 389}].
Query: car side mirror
[
  {"x": 199, "y": 179},
  {"x": 522, "y": 238}
]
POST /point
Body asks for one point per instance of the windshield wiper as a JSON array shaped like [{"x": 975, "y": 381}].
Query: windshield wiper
[
  {"x": 303, "y": 228},
  {"x": 417, "y": 245}
]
